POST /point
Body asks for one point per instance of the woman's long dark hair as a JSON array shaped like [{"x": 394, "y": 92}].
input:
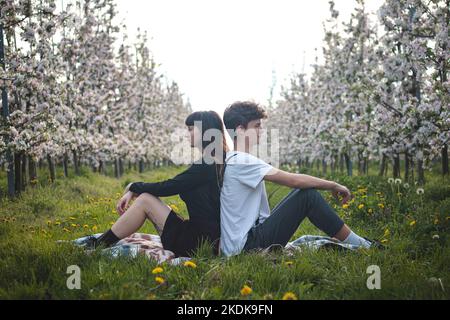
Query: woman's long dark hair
[{"x": 211, "y": 120}]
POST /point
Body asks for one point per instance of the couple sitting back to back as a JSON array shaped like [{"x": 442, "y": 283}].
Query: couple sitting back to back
[{"x": 225, "y": 195}]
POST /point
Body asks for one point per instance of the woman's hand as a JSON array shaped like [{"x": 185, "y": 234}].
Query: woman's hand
[
  {"x": 340, "y": 190},
  {"x": 124, "y": 202}
]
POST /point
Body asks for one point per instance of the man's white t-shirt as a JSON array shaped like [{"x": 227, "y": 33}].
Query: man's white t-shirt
[{"x": 243, "y": 199}]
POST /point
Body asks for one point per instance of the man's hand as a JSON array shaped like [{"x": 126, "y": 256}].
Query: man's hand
[
  {"x": 340, "y": 190},
  {"x": 124, "y": 202}
]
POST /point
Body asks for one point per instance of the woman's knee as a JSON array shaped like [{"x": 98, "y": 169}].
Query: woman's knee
[{"x": 146, "y": 198}]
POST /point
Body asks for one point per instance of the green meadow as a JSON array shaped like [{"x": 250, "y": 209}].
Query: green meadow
[{"x": 414, "y": 227}]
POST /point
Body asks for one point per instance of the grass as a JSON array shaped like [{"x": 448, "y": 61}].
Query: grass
[{"x": 414, "y": 227}]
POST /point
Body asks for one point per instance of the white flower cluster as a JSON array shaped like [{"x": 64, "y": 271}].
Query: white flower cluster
[
  {"x": 375, "y": 94},
  {"x": 76, "y": 88}
]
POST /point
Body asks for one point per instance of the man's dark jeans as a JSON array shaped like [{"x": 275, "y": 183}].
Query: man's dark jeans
[{"x": 285, "y": 218}]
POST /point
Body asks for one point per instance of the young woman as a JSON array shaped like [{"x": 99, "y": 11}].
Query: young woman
[{"x": 198, "y": 186}]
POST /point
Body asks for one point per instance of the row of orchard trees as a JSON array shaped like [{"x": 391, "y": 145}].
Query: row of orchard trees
[
  {"x": 75, "y": 91},
  {"x": 382, "y": 92}
]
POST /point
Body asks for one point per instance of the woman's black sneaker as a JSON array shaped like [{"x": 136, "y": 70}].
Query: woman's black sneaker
[{"x": 375, "y": 244}]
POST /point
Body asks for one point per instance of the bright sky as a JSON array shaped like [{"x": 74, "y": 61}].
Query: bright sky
[{"x": 223, "y": 51}]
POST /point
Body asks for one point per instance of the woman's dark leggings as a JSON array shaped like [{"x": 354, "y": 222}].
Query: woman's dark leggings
[{"x": 285, "y": 218}]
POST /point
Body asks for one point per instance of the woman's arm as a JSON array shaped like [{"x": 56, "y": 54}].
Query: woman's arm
[{"x": 194, "y": 176}]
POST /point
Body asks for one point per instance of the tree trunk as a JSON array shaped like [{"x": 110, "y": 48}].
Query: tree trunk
[
  {"x": 387, "y": 168},
  {"x": 444, "y": 155},
  {"x": 333, "y": 164},
  {"x": 141, "y": 166},
  {"x": 100, "y": 166},
  {"x": 66, "y": 165},
  {"x": 396, "y": 168},
  {"x": 24, "y": 172},
  {"x": 366, "y": 166},
  {"x": 349, "y": 165},
  {"x": 75, "y": 162},
  {"x": 360, "y": 165},
  {"x": 420, "y": 173},
  {"x": 32, "y": 169},
  {"x": 407, "y": 167},
  {"x": 51, "y": 168},
  {"x": 382, "y": 166},
  {"x": 341, "y": 163},
  {"x": 324, "y": 167},
  {"x": 121, "y": 169},
  {"x": 17, "y": 172},
  {"x": 116, "y": 168}
]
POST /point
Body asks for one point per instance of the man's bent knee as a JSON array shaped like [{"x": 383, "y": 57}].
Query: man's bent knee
[{"x": 310, "y": 192}]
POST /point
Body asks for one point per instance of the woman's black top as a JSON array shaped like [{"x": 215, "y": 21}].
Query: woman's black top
[{"x": 198, "y": 187}]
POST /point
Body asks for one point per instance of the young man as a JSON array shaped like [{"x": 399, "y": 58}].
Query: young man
[{"x": 246, "y": 220}]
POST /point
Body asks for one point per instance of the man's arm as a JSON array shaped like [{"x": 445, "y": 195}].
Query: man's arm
[{"x": 304, "y": 181}]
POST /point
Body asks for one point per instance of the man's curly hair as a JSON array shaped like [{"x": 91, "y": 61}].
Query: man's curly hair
[{"x": 241, "y": 113}]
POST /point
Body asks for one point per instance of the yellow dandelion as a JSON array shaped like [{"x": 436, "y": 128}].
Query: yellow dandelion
[
  {"x": 345, "y": 206},
  {"x": 94, "y": 228},
  {"x": 160, "y": 280},
  {"x": 289, "y": 296},
  {"x": 370, "y": 210},
  {"x": 381, "y": 205},
  {"x": 190, "y": 264},
  {"x": 157, "y": 270},
  {"x": 66, "y": 230},
  {"x": 73, "y": 225},
  {"x": 85, "y": 226},
  {"x": 289, "y": 263},
  {"x": 361, "y": 206},
  {"x": 246, "y": 290},
  {"x": 384, "y": 240},
  {"x": 412, "y": 223}
]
